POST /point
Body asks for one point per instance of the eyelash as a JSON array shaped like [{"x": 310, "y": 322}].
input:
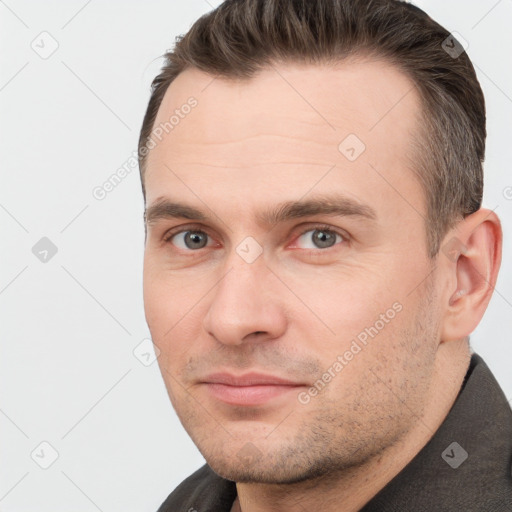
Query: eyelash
[{"x": 318, "y": 227}]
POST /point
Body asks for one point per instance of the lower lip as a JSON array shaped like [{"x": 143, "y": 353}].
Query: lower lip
[{"x": 248, "y": 395}]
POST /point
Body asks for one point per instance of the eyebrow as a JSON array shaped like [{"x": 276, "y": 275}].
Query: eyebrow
[{"x": 330, "y": 204}]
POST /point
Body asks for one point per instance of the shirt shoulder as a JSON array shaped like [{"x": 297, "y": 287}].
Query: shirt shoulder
[
  {"x": 202, "y": 491},
  {"x": 467, "y": 463}
]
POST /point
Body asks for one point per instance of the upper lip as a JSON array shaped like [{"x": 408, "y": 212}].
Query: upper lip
[{"x": 248, "y": 379}]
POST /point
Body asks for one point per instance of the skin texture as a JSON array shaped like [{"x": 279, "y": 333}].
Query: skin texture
[{"x": 248, "y": 146}]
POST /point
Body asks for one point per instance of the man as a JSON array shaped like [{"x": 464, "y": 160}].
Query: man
[{"x": 316, "y": 258}]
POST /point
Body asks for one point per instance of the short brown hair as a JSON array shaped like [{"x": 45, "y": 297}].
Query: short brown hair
[{"x": 241, "y": 37}]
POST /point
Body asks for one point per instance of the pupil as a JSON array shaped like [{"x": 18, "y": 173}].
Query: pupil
[
  {"x": 195, "y": 239},
  {"x": 323, "y": 238}
]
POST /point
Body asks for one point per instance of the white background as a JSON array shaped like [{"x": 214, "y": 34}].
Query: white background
[{"x": 69, "y": 326}]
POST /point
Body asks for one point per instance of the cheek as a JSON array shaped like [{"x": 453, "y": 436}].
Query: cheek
[
  {"x": 173, "y": 312},
  {"x": 359, "y": 323},
  {"x": 166, "y": 295},
  {"x": 163, "y": 306},
  {"x": 339, "y": 305},
  {"x": 155, "y": 300}
]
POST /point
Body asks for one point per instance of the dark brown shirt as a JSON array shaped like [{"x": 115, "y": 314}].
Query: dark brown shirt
[{"x": 465, "y": 467}]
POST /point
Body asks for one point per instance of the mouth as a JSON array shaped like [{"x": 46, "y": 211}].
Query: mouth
[{"x": 248, "y": 390}]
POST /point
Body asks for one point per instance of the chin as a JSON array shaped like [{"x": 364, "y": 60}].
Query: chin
[{"x": 264, "y": 472}]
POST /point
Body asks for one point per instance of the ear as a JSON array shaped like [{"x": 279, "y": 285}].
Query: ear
[{"x": 470, "y": 257}]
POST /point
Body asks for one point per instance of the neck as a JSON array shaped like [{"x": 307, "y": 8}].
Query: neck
[{"x": 355, "y": 487}]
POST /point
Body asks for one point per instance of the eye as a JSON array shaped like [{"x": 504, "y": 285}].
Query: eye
[
  {"x": 321, "y": 237},
  {"x": 188, "y": 239},
  {"x": 315, "y": 237}
]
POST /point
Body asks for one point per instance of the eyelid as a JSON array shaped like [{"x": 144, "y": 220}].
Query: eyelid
[
  {"x": 324, "y": 227},
  {"x": 211, "y": 240},
  {"x": 180, "y": 229}
]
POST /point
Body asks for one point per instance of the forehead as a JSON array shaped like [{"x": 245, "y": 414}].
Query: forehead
[{"x": 279, "y": 133}]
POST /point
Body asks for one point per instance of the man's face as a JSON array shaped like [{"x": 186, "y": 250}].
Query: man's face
[{"x": 342, "y": 294}]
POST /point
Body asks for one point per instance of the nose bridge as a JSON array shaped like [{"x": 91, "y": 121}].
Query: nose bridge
[
  {"x": 242, "y": 303},
  {"x": 245, "y": 270}
]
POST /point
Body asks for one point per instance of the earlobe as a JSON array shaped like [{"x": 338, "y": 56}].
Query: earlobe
[{"x": 472, "y": 269}]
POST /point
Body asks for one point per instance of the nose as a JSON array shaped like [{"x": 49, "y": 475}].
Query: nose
[{"x": 245, "y": 304}]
